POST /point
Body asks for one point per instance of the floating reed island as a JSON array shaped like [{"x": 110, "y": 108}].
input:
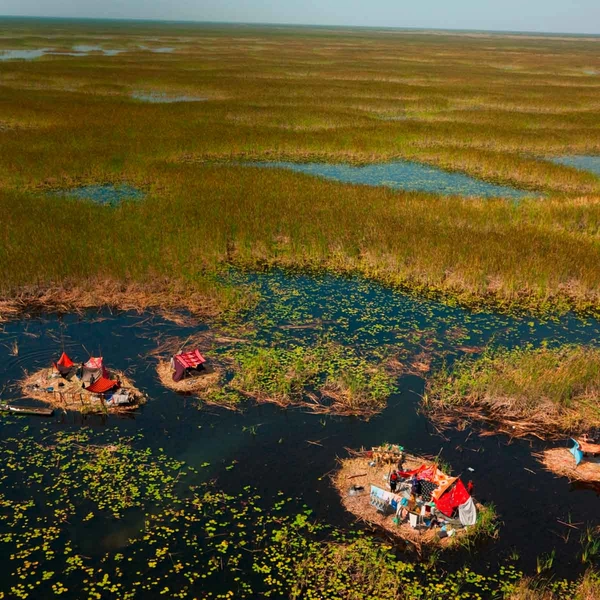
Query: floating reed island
[
  {"x": 188, "y": 373},
  {"x": 543, "y": 392},
  {"x": 581, "y": 462},
  {"x": 411, "y": 498},
  {"x": 89, "y": 387}
]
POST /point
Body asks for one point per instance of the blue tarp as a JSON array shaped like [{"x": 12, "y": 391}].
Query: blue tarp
[{"x": 576, "y": 452}]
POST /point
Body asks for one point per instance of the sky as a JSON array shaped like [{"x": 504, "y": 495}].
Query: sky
[{"x": 574, "y": 16}]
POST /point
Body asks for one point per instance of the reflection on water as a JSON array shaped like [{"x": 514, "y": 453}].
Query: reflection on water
[
  {"x": 403, "y": 175},
  {"x": 583, "y": 163}
]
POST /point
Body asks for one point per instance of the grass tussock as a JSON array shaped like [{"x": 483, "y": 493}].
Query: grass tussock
[
  {"x": 544, "y": 392},
  {"x": 325, "y": 378}
]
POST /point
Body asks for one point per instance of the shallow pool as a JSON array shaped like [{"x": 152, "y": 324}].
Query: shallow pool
[
  {"x": 23, "y": 54},
  {"x": 581, "y": 162},
  {"x": 403, "y": 175},
  {"x": 162, "y": 98},
  {"x": 103, "y": 194}
]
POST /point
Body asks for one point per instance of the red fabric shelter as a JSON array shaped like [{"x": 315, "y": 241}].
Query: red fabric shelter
[
  {"x": 102, "y": 385},
  {"x": 64, "y": 361},
  {"x": 190, "y": 360},
  {"x": 94, "y": 363},
  {"x": 452, "y": 498}
]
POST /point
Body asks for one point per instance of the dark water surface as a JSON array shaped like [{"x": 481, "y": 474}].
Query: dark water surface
[
  {"x": 279, "y": 456},
  {"x": 404, "y": 175}
]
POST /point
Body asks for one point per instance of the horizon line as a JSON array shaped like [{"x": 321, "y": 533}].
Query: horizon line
[{"x": 307, "y": 25}]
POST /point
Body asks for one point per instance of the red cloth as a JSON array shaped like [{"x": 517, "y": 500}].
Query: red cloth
[
  {"x": 94, "y": 363},
  {"x": 102, "y": 385},
  {"x": 190, "y": 360},
  {"x": 452, "y": 498},
  {"x": 428, "y": 474},
  {"x": 406, "y": 474},
  {"x": 65, "y": 361}
]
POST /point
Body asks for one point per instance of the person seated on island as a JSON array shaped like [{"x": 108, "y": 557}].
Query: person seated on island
[
  {"x": 415, "y": 486},
  {"x": 393, "y": 481}
]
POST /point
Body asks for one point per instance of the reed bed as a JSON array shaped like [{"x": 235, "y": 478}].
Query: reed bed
[
  {"x": 545, "y": 392},
  {"x": 494, "y": 107},
  {"x": 561, "y": 462}
]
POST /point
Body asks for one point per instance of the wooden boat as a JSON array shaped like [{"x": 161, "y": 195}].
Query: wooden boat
[{"x": 27, "y": 410}]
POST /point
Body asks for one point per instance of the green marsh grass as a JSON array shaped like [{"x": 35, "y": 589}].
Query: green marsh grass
[
  {"x": 540, "y": 391},
  {"x": 489, "y": 106},
  {"x": 325, "y": 378}
]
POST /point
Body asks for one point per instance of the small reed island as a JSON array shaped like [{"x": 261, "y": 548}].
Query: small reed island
[
  {"x": 544, "y": 392},
  {"x": 581, "y": 462},
  {"x": 188, "y": 373},
  {"x": 85, "y": 387},
  {"x": 411, "y": 498}
]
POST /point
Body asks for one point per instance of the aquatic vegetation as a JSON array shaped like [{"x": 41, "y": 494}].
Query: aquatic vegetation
[
  {"x": 541, "y": 391},
  {"x": 345, "y": 383},
  {"x": 150, "y": 526}
]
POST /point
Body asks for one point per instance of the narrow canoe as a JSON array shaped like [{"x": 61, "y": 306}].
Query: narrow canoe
[{"x": 27, "y": 410}]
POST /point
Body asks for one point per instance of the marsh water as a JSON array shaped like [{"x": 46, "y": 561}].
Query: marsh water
[
  {"x": 108, "y": 194},
  {"x": 293, "y": 451},
  {"x": 404, "y": 175},
  {"x": 161, "y": 98},
  {"x": 581, "y": 162}
]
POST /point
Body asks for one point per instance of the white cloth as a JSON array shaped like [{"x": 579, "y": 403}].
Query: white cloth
[
  {"x": 413, "y": 520},
  {"x": 467, "y": 513}
]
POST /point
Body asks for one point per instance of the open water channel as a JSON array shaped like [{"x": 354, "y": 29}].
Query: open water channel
[{"x": 270, "y": 446}]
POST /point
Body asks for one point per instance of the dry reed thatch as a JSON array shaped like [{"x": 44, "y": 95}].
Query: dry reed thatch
[
  {"x": 497, "y": 418},
  {"x": 164, "y": 297},
  {"x": 357, "y": 471},
  {"x": 561, "y": 462},
  {"x": 199, "y": 384},
  {"x": 72, "y": 396}
]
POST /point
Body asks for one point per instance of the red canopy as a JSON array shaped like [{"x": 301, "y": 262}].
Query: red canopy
[
  {"x": 190, "y": 360},
  {"x": 102, "y": 385},
  {"x": 94, "y": 363},
  {"x": 65, "y": 361},
  {"x": 453, "y": 498}
]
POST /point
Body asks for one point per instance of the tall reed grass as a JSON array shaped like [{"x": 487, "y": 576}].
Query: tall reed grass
[{"x": 490, "y": 106}]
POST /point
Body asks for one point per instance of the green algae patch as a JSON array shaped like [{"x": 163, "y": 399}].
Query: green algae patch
[{"x": 546, "y": 392}]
